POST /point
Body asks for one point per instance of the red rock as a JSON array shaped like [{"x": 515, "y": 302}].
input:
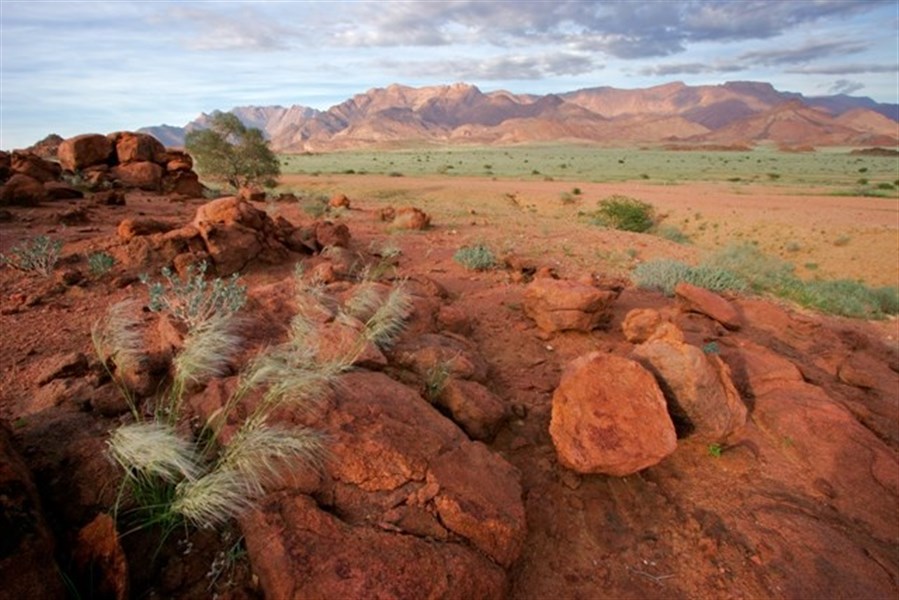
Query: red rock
[
  {"x": 388, "y": 213},
  {"x": 560, "y": 305},
  {"x": 33, "y": 165},
  {"x": 5, "y": 165},
  {"x": 130, "y": 228},
  {"x": 640, "y": 324},
  {"x": 479, "y": 498},
  {"x": 27, "y": 566},
  {"x": 454, "y": 320},
  {"x": 426, "y": 352},
  {"x": 109, "y": 198},
  {"x": 236, "y": 233},
  {"x": 829, "y": 444},
  {"x": 757, "y": 369},
  {"x": 409, "y": 217},
  {"x": 339, "y": 201},
  {"x": 22, "y": 190},
  {"x": 183, "y": 182},
  {"x": 137, "y": 147},
  {"x": 71, "y": 364},
  {"x": 176, "y": 160},
  {"x": 477, "y": 410},
  {"x": 609, "y": 416},
  {"x": 301, "y": 552},
  {"x": 698, "y": 387},
  {"x": 703, "y": 301},
  {"x": 100, "y": 558},
  {"x": 84, "y": 151},
  {"x": 57, "y": 190},
  {"x": 144, "y": 175},
  {"x": 332, "y": 234}
]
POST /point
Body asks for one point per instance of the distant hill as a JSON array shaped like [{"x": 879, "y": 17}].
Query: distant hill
[{"x": 738, "y": 112}]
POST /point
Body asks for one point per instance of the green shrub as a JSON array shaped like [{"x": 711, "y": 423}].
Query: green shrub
[
  {"x": 100, "y": 263},
  {"x": 194, "y": 300},
  {"x": 745, "y": 261},
  {"x": 624, "y": 213},
  {"x": 477, "y": 258},
  {"x": 843, "y": 297},
  {"x": 664, "y": 275},
  {"x": 38, "y": 256}
]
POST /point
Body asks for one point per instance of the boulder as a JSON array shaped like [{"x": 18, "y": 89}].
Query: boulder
[
  {"x": 300, "y": 551},
  {"x": 698, "y": 387},
  {"x": 84, "y": 151},
  {"x": 708, "y": 303},
  {"x": 339, "y": 201},
  {"x": 27, "y": 566},
  {"x": 101, "y": 560},
  {"x": 176, "y": 160},
  {"x": 236, "y": 233},
  {"x": 140, "y": 226},
  {"x": 409, "y": 217},
  {"x": 183, "y": 182},
  {"x": 35, "y": 166},
  {"x": 137, "y": 147},
  {"x": 640, "y": 324},
  {"x": 425, "y": 353},
  {"x": 609, "y": 416},
  {"x": 58, "y": 190},
  {"x": 332, "y": 234},
  {"x": 757, "y": 369},
  {"x": 477, "y": 410},
  {"x": 144, "y": 175},
  {"x": 23, "y": 190},
  {"x": 560, "y": 305}
]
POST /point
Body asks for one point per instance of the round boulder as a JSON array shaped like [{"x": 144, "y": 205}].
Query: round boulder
[
  {"x": 84, "y": 151},
  {"x": 609, "y": 416}
]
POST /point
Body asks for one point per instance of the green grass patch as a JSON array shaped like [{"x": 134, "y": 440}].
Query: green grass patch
[
  {"x": 744, "y": 268},
  {"x": 624, "y": 213},
  {"x": 476, "y": 258}
]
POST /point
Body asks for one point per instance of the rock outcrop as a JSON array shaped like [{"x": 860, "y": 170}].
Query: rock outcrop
[
  {"x": 561, "y": 305},
  {"x": 609, "y": 416}
]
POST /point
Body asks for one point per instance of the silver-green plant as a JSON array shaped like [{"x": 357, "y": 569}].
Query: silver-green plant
[
  {"x": 477, "y": 258},
  {"x": 37, "y": 256},
  {"x": 193, "y": 299},
  {"x": 100, "y": 263},
  {"x": 175, "y": 476}
]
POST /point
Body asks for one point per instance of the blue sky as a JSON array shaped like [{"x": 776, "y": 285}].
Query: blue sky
[{"x": 76, "y": 67}]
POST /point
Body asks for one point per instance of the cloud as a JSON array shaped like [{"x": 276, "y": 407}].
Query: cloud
[
  {"x": 244, "y": 30},
  {"x": 627, "y": 30},
  {"x": 845, "y": 86},
  {"x": 805, "y": 53},
  {"x": 851, "y": 69},
  {"x": 690, "y": 69},
  {"x": 499, "y": 68}
]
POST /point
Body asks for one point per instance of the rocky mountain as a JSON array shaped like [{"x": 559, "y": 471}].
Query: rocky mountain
[{"x": 738, "y": 112}]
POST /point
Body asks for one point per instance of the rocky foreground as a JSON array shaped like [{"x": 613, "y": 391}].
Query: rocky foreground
[{"x": 527, "y": 436}]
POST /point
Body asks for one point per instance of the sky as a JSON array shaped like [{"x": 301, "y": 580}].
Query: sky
[{"x": 71, "y": 67}]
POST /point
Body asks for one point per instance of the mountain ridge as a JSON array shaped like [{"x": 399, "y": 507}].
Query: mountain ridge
[{"x": 735, "y": 112}]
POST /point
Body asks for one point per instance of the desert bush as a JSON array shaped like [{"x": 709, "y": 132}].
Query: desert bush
[
  {"x": 760, "y": 271},
  {"x": 477, "y": 258},
  {"x": 37, "y": 256},
  {"x": 673, "y": 234},
  {"x": 843, "y": 297},
  {"x": 664, "y": 275},
  {"x": 175, "y": 474},
  {"x": 100, "y": 263},
  {"x": 624, "y": 213},
  {"x": 193, "y": 299}
]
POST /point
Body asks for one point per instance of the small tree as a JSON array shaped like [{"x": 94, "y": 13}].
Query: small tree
[{"x": 232, "y": 153}]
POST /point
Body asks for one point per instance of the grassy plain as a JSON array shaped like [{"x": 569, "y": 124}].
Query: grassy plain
[
  {"x": 809, "y": 209},
  {"x": 834, "y": 168}
]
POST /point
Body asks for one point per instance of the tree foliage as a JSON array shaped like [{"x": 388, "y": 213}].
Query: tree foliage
[{"x": 232, "y": 153}]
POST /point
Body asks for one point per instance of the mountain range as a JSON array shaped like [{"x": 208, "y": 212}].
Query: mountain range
[{"x": 733, "y": 113}]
